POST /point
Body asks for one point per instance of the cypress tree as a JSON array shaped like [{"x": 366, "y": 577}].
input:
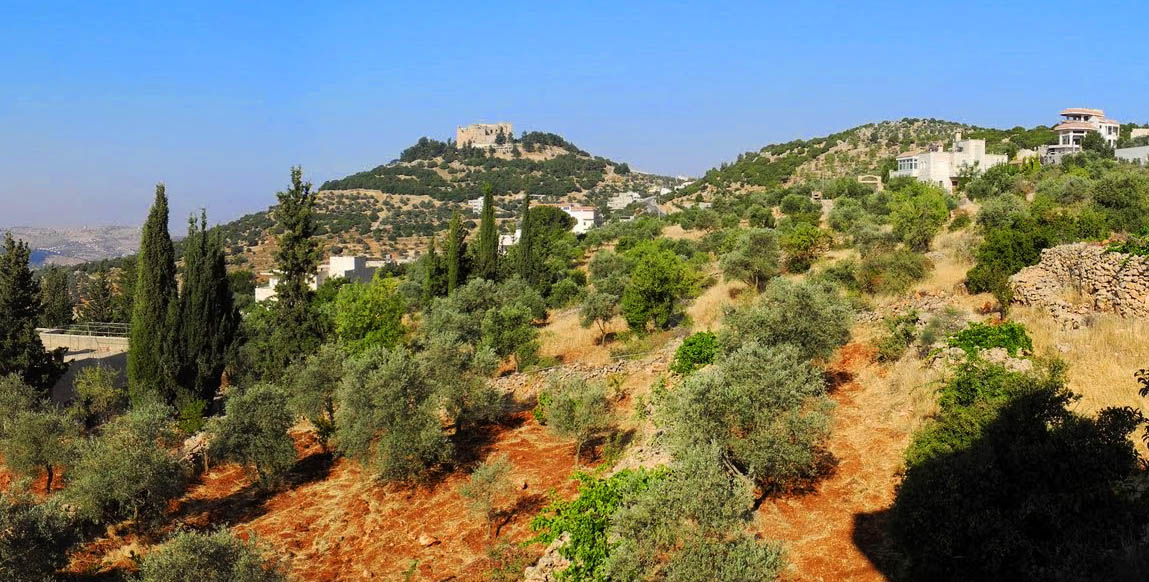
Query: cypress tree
[
  {"x": 486, "y": 265},
  {"x": 527, "y": 243},
  {"x": 208, "y": 319},
  {"x": 149, "y": 364},
  {"x": 430, "y": 274},
  {"x": 456, "y": 243},
  {"x": 21, "y": 351},
  {"x": 56, "y": 298}
]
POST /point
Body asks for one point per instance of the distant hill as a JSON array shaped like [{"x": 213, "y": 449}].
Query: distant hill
[
  {"x": 866, "y": 149},
  {"x": 395, "y": 207},
  {"x": 70, "y": 246}
]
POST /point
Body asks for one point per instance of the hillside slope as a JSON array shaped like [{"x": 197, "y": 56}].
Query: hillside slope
[
  {"x": 866, "y": 149},
  {"x": 394, "y": 208}
]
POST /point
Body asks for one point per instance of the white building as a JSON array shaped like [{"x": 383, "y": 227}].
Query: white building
[
  {"x": 622, "y": 200},
  {"x": 1137, "y": 132},
  {"x": 1139, "y": 155},
  {"x": 586, "y": 217},
  {"x": 511, "y": 239},
  {"x": 937, "y": 166},
  {"x": 476, "y": 205},
  {"x": 356, "y": 269},
  {"x": 1076, "y": 123}
]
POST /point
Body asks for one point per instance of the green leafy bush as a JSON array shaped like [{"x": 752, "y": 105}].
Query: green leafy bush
[
  {"x": 901, "y": 332},
  {"x": 210, "y": 557},
  {"x": 696, "y": 351},
  {"x": 892, "y": 272},
  {"x": 1008, "y": 484},
  {"x": 980, "y": 336},
  {"x": 587, "y": 519}
]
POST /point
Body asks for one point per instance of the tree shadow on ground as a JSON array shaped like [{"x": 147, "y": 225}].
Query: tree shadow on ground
[
  {"x": 250, "y": 501},
  {"x": 526, "y": 505}
]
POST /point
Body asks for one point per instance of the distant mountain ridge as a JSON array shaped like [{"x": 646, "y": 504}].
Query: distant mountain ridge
[{"x": 70, "y": 246}]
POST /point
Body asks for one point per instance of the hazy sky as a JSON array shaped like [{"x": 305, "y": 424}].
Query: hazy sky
[{"x": 101, "y": 100}]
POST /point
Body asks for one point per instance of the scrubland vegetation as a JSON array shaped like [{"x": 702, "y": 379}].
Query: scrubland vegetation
[{"x": 759, "y": 322}]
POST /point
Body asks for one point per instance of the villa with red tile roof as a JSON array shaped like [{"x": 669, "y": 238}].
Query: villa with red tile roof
[{"x": 1076, "y": 123}]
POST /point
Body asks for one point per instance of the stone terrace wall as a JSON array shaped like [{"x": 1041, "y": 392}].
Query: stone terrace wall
[{"x": 1104, "y": 281}]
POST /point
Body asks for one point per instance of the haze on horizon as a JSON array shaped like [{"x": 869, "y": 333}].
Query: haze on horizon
[{"x": 99, "y": 102}]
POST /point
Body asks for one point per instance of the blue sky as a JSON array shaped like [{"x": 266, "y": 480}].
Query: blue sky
[{"x": 101, "y": 100}]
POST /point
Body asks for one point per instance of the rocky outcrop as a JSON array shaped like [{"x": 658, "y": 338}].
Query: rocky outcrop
[
  {"x": 1074, "y": 280},
  {"x": 550, "y": 564}
]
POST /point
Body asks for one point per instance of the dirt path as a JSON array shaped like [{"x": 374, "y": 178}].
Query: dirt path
[{"x": 820, "y": 529}]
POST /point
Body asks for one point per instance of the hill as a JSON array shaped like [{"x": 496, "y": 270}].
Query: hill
[
  {"x": 395, "y": 207},
  {"x": 70, "y": 246},
  {"x": 866, "y": 149}
]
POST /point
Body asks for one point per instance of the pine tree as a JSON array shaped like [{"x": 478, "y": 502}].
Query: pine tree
[
  {"x": 100, "y": 303},
  {"x": 21, "y": 351},
  {"x": 299, "y": 331},
  {"x": 56, "y": 298},
  {"x": 125, "y": 291},
  {"x": 456, "y": 248},
  {"x": 486, "y": 264},
  {"x": 208, "y": 319},
  {"x": 150, "y": 367},
  {"x": 527, "y": 268}
]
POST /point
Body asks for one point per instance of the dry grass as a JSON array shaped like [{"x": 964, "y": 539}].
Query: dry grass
[
  {"x": 676, "y": 231},
  {"x": 1102, "y": 357},
  {"x": 706, "y": 311},
  {"x": 566, "y": 340}
]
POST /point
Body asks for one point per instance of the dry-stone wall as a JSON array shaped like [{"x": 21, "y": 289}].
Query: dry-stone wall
[{"x": 1074, "y": 280}]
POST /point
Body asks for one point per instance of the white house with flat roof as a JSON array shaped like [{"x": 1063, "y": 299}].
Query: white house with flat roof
[
  {"x": 586, "y": 217},
  {"x": 937, "y": 166},
  {"x": 355, "y": 269}
]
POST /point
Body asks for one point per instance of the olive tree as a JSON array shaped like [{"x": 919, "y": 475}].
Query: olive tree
[
  {"x": 34, "y": 538},
  {"x": 688, "y": 526},
  {"x": 813, "y": 317},
  {"x": 311, "y": 388},
  {"x": 598, "y": 308},
  {"x": 388, "y": 415},
  {"x": 488, "y": 487},
  {"x": 754, "y": 258},
  {"x": 253, "y": 432},
  {"x": 577, "y": 409},
  {"x": 764, "y": 406},
  {"x": 129, "y": 470},
  {"x": 215, "y": 556}
]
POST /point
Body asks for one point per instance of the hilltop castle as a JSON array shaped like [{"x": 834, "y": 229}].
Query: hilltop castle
[{"x": 482, "y": 135}]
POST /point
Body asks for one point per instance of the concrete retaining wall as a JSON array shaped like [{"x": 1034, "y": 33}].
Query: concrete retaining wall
[{"x": 83, "y": 343}]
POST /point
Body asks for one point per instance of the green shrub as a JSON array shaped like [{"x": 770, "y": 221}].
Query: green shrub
[
  {"x": 35, "y": 538},
  {"x": 695, "y": 352},
  {"x": 892, "y": 272},
  {"x": 901, "y": 331},
  {"x": 1004, "y": 462},
  {"x": 587, "y": 517},
  {"x": 980, "y": 336},
  {"x": 960, "y": 220},
  {"x": 209, "y": 557},
  {"x": 823, "y": 326}
]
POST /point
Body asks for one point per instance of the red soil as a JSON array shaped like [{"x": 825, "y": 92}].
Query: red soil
[
  {"x": 334, "y": 522},
  {"x": 821, "y": 529}
]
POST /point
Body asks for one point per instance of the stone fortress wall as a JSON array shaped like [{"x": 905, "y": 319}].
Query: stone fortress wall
[
  {"x": 482, "y": 134},
  {"x": 1074, "y": 280}
]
